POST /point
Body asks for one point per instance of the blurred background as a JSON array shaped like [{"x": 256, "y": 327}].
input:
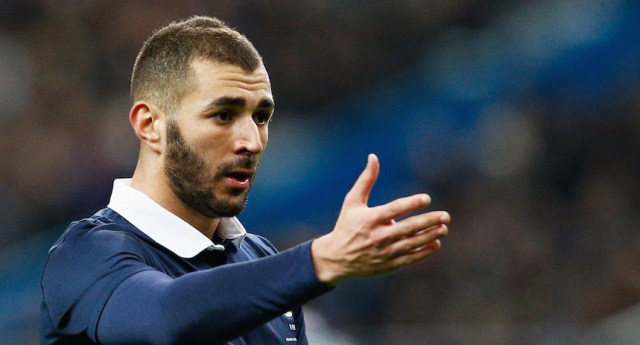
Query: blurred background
[{"x": 521, "y": 118}]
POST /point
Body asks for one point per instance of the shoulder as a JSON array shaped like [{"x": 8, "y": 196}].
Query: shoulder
[
  {"x": 94, "y": 235},
  {"x": 90, "y": 248},
  {"x": 84, "y": 266},
  {"x": 260, "y": 244},
  {"x": 91, "y": 245}
]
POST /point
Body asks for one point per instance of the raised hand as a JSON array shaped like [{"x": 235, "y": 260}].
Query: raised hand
[{"x": 368, "y": 241}]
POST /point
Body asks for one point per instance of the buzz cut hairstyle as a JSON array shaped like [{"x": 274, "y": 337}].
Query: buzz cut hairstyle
[{"x": 162, "y": 71}]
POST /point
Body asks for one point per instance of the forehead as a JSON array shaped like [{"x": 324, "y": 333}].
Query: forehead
[{"x": 214, "y": 79}]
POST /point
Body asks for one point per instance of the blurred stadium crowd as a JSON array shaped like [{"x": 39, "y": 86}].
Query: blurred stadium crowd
[
  {"x": 66, "y": 66},
  {"x": 521, "y": 118}
]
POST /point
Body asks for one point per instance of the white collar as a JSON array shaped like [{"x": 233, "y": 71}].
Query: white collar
[{"x": 164, "y": 227}]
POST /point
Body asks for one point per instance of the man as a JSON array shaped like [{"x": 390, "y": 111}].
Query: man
[{"x": 167, "y": 262}]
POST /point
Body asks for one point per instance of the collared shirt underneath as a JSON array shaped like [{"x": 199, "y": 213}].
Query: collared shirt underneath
[{"x": 166, "y": 228}]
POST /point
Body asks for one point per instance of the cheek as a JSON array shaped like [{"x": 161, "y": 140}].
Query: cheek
[
  {"x": 210, "y": 142},
  {"x": 209, "y": 153},
  {"x": 213, "y": 153}
]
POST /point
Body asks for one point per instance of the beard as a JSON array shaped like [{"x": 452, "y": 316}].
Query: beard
[{"x": 188, "y": 178}]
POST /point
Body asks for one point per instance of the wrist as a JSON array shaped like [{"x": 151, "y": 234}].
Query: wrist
[{"x": 323, "y": 264}]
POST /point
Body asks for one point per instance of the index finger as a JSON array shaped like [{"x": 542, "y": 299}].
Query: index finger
[{"x": 401, "y": 206}]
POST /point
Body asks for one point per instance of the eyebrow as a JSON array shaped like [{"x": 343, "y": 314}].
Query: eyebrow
[
  {"x": 239, "y": 102},
  {"x": 267, "y": 103}
]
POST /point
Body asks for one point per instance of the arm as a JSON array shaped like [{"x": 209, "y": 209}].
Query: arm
[
  {"x": 367, "y": 241},
  {"x": 150, "y": 307}
]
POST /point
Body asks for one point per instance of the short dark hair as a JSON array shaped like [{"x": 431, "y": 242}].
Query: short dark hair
[{"x": 162, "y": 72}]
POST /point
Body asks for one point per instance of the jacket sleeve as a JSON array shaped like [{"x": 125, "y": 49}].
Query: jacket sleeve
[{"x": 215, "y": 305}]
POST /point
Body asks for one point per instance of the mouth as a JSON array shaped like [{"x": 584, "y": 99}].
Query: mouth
[{"x": 240, "y": 179}]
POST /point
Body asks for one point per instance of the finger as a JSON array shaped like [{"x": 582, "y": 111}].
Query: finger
[
  {"x": 401, "y": 206},
  {"x": 422, "y": 223},
  {"x": 419, "y": 245},
  {"x": 417, "y": 254},
  {"x": 433, "y": 245},
  {"x": 361, "y": 189},
  {"x": 416, "y": 243},
  {"x": 411, "y": 243}
]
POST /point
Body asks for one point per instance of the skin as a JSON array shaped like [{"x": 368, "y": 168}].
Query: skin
[
  {"x": 368, "y": 242},
  {"x": 224, "y": 123},
  {"x": 208, "y": 140}
]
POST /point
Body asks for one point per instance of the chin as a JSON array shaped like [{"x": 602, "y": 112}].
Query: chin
[{"x": 230, "y": 207}]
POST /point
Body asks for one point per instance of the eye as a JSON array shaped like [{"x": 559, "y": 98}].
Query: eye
[
  {"x": 261, "y": 118},
  {"x": 223, "y": 116}
]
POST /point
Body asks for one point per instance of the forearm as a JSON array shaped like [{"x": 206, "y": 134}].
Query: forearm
[{"x": 213, "y": 305}]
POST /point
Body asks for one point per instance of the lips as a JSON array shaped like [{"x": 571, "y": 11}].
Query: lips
[{"x": 240, "y": 179}]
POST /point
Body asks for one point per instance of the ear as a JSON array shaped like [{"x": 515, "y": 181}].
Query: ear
[{"x": 147, "y": 121}]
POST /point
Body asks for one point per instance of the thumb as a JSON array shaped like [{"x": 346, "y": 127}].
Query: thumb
[{"x": 361, "y": 189}]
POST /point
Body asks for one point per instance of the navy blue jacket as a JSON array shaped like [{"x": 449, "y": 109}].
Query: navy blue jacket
[{"x": 106, "y": 282}]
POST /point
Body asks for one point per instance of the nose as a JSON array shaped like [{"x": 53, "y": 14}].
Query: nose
[{"x": 249, "y": 138}]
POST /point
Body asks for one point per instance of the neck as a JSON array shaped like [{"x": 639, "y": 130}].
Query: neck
[{"x": 156, "y": 186}]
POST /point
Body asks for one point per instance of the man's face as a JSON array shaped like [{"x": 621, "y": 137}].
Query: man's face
[{"x": 216, "y": 139}]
